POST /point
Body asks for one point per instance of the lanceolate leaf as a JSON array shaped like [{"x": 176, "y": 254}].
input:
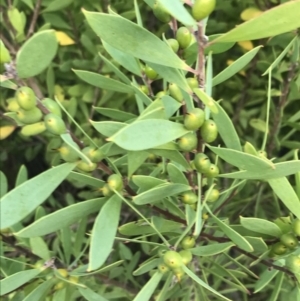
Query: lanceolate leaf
[
  {"x": 22, "y": 200},
  {"x": 212, "y": 249},
  {"x": 39, "y": 292}
]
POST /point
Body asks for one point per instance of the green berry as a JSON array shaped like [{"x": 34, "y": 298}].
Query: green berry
[
  {"x": 175, "y": 92},
  {"x": 194, "y": 119},
  {"x": 209, "y": 131},
  {"x": 160, "y": 94},
  {"x": 188, "y": 242},
  {"x": 106, "y": 191},
  {"x": 296, "y": 227},
  {"x": 212, "y": 172},
  {"x": 172, "y": 259},
  {"x": 173, "y": 44},
  {"x": 55, "y": 124},
  {"x": 213, "y": 195},
  {"x": 192, "y": 82},
  {"x": 52, "y": 106},
  {"x": 151, "y": 73},
  {"x": 13, "y": 105},
  {"x": 189, "y": 198},
  {"x": 188, "y": 142},
  {"x": 26, "y": 98},
  {"x": 186, "y": 256},
  {"x": 29, "y": 116},
  {"x": 33, "y": 129},
  {"x": 278, "y": 249},
  {"x": 179, "y": 273},
  {"x": 163, "y": 268},
  {"x": 160, "y": 13},
  {"x": 144, "y": 89},
  {"x": 289, "y": 240},
  {"x": 202, "y": 163},
  {"x": 293, "y": 263},
  {"x": 115, "y": 182},
  {"x": 202, "y": 8},
  {"x": 184, "y": 37},
  {"x": 95, "y": 155},
  {"x": 68, "y": 154},
  {"x": 83, "y": 166}
]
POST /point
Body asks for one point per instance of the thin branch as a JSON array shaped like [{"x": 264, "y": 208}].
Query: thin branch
[
  {"x": 34, "y": 18},
  {"x": 8, "y": 45}
]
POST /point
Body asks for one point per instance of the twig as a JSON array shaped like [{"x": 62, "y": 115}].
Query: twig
[
  {"x": 201, "y": 57},
  {"x": 8, "y": 45},
  {"x": 34, "y": 18}
]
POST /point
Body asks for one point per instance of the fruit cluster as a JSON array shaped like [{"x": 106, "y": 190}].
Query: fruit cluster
[{"x": 114, "y": 182}]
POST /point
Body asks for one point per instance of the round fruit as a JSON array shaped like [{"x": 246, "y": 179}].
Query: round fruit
[
  {"x": 13, "y": 105},
  {"x": 175, "y": 92},
  {"x": 192, "y": 82},
  {"x": 296, "y": 227},
  {"x": 184, "y": 37},
  {"x": 68, "y": 154},
  {"x": 173, "y": 44},
  {"x": 55, "y": 124},
  {"x": 115, "y": 182},
  {"x": 188, "y": 242},
  {"x": 202, "y": 163},
  {"x": 26, "y": 98},
  {"x": 194, "y": 119},
  {"x": 173, "y": 259},
  {"x": 163, "y": 268},
  {"x": 74, "y": 279},
  {"x": 95, "y": 155},
  {"x": 106, "y": 190},
  {"x": 160, "y": 13},
  {"x": 213, "y": 195},
  {"x": 63, "y": 272},
  {"x": 33, "y": 129},
  {"x": 189, "y": 198},
  {"x": 186, "y": 256},
  {"x": 289, "y": 240},
  {"x": 161, "y": 251},
  {"x": 29, "y": 116},
  {"x": 188, "y": 142},
  {"x": 262, "y": 154},
  {"x": 144, "y": 89},
  {"x": 202, "y": 8},
  {"x": 83, "y": 166},
  {"x": 278, "y": 249},
  {"x": 213, "y": 171},
  {"x": 209, "y": 131},
  {"x": 179, "y": 273},
  {"x": 293, "y": 263},
  {"x": 151, "y": 73},
  {"x": 160, "y": 94},
  {"x": 52, "y": 106}
]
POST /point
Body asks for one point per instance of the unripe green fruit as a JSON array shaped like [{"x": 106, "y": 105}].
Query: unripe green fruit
[
  {"x": 13, "y": 105},
  {"x": 289, "y": 240},
  {"x": 95, "y": 155},
  {"x": 52, "y": 106},
  {"x": 189, "y": 198},
  {"x": 188, "y": 242},
  {"x": 33, "y": 129},
  {"x": 278, "y": 249},
  {"x": 194, "y": 119},
  {"x": 192, "y": 82},
  {"x": 163, "y": 268},
  {"x": 173, "y": 259},
  {"x": 179, "y": 273},
  {"x": 184, "y": 37},
  {"x": 161, "y": 251},
  {"x": 29, "y": 116},
  {"x": 144, "y": 89},
  {"x": 296, "y": 227},
  {"x": 175, "y": 92},
  {"x": 262, "y": 154},
  {"x": 106, "y": 191},
  {"x": 209, "y": 131},
  {"x": 186, "y": 256},
  {"x": 160, "y": 94},
  {"x": 115, "y": 182},
  {"x": 188, "y": 142},
  {"x": 213, "y": 195},
  {"x": 212, "y": 172},
  {"x": 55, "y": 124},
  {"x": 160, "y": 13},
  {"x": 26, "y": 98},
  {"x": 293, "y": 263},
  {"x": 83, "y": 166},
  {"x": 173, "y": 44},
  {"x": 68, "y": 154},
  {"x": 151, "y": 73},
  {"x": 202, "y": 8},
  {"x": 202, "y": 163}
]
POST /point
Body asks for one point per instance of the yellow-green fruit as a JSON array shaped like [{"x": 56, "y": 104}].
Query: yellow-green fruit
[
  {"x": 194, "y": 119},
  {"x": 173, "y": 259},
  {"x": 188, "y": 242},
  {"x": 29, "y": 116},
  {"x": 192, "y": 82},
  {"x": 293, "y": 263},
  {"x": 161, "y": 251},
  {"x": 74, "y": 279},
  {"x": 296, "y": 227},
  {"x": 63, "y": 272},
  {"x": 33, "y": 129},
  {"x": 188, "y": 142},
  {"x": 115, "y": 182},
  {"x": 175, "y": 92},
  {"x": 173, "y": 44},
  {"x": 262, "y": 154},
  {"x": 106, "y": 190},
  {"x": 151, "y": 73},
  {"x": 213, "y": 171},
  {"x": 202, "y": 163},
  {"x": 278, "y": 249},
  {"x": 160, "y": 13},
  {"x": 186, "y": 256},
  {"x": 55, "y": 124},
  {"x": 189, "y": 198},
  {"x": 52, "y": 106},
  {"x": 289, "y": 240},
  {"x": 68, "y": 154},
  {"x": 83, "y": 166},
  {"x": 163, "y": 268},
  {"x": 144, "y": 89},
  {"x": 13, "y": 105},
  {"x": 4, "y": 54},
  {"x": 161, "y": 94},
  {"x": 212, "y": 196},
  {"x": 95, "y": 155},
  {"x": 209, "y": 131},
  {"x": 202, "y": 8},
  {"x": 26, "y": 98},
  {"x": 184, "y": 37},
  {"x": 179, "y": 273}
]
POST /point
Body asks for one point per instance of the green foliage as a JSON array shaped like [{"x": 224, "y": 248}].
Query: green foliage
[{"x": 146, "y": 155}]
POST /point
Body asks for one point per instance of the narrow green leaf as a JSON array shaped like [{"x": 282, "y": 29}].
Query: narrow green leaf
[
  {"x": 284, "y": 190},
  {"x": 61, "y": 218},
  {"x": 103, "y": 82},
  {"x": 147, "y": 182},
  {"x": 264, "y": 279},
  {"x": 107, "y": 128},
  {"x": 212, "y": 249},
  {"x": 207, "y": 100},
  {"x": 176, "y": 175},
  {"x": 135, "y": 160},
  {"x": 216, "y": 48},
  {"x": 56, "y": 5},
  {"x": 116, "y": 115},
  {"x": 277, "y": 286},
  {"x": 146, "y": 267},
  {"x": 36, "y": 54},
  {"x": 16, "y": 280},
  {"x": 280, "y": 19},
  {"x": 5, "y": 83},
  {"x": 261, "y": 226},
  {"x": 133, "y": 40},
  {"x": 259, "y": 124},
  {"x": 22, "y": 200},
  {"x": 149, "y": 133},
  {"x": 39, "y": 293},
  {"x": 85, "y": 179},
  {"x": 103, "y": 233},
  {"x": 3, "y": 184},
  {"x": 257, "y": 243},
  {"x": 148, "y": 289},
  {"x": 242, "y": 160},
  {"x": 159, "y": 193},
  {"x": 173, "y": 155},
  {"x": 39, "y": 247},
  {"x": 22, "y": 175},
  {"x": 90, "y": 295}
]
